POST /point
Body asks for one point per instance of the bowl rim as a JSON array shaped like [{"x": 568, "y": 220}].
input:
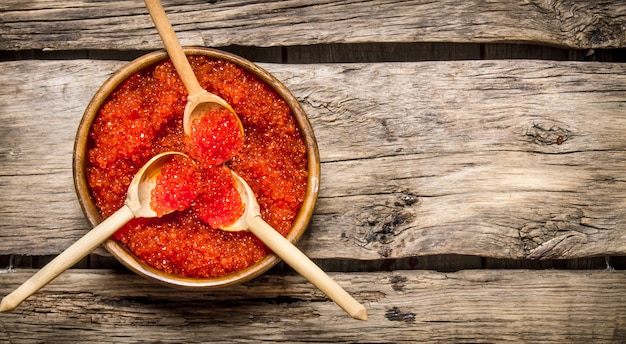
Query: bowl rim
[{"x": 79, "y": 163}]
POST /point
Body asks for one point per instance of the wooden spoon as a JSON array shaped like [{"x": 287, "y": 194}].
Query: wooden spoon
[
  {"x": 251, "y": 220},
  {"x": 199, "y": 101},
  {"x": 137, "y": 204}
]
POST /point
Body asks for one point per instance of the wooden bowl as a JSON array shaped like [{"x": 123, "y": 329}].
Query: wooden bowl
[{"x": 80, "y": 162}]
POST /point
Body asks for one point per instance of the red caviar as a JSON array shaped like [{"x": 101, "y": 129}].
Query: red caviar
[
  {"x": 210, "y": 191},
  {"x": 215, "y": 137},
  {"x": 176, "y": 187},
  {"x": 219, "y": 203},
  {"x": 143, "y": 117}
]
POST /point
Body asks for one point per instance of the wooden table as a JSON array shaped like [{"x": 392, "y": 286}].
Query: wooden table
[{"x": 473, "y": 157}]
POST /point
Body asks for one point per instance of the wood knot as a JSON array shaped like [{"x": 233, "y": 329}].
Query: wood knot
[
  {"x": 597, "y": 37},
  {"x": 552, "y": 236},
  {"x": 379, "y": 225},
  {"x": 543, "y": 134},
  {"x": 407, "y": 199},
  {"x": 398, "y": 282},
  {"x": 383, "y": 230},
  {"x": 395, "y": 314}
]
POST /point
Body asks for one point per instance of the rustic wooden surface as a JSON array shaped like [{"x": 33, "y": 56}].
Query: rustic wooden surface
[
  {"x": 494, "y": 306},
  {"x": 448, "y": 146},
  {"x": 504, "y": 159},
  {"x": 50, "y": 24}
]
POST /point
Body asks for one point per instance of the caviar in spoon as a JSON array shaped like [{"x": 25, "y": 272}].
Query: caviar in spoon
[
  {"x": 137, "y": 204},
  {"x": 214, "y": 138},
  {"x": 199, "y": 102}
]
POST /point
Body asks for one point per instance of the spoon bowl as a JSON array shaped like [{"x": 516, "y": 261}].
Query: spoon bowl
[
  {"x": 200, "y": 104},
  {"x": 137, "y": 205},
  {"x": 139, "y": 191}
]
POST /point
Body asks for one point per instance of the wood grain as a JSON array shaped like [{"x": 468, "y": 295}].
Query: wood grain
[
  {"x": 502, "y": 159},
  {"x": 488, "y": 306},
  {"x": 125, "y": 25}
]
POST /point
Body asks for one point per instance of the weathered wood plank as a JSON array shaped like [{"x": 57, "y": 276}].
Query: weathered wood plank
[
  {"x": 475, "y": 144},
  {"x": 478, "y": 306},
  {"x": 417, "y": 158},
  {"x": 49, "y": 24}
]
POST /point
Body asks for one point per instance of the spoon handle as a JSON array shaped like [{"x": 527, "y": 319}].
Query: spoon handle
[
  {"x": 174, "y": 50},
  {"x": 67, "y": 258},
  {"x": 305, "y": 267}
]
